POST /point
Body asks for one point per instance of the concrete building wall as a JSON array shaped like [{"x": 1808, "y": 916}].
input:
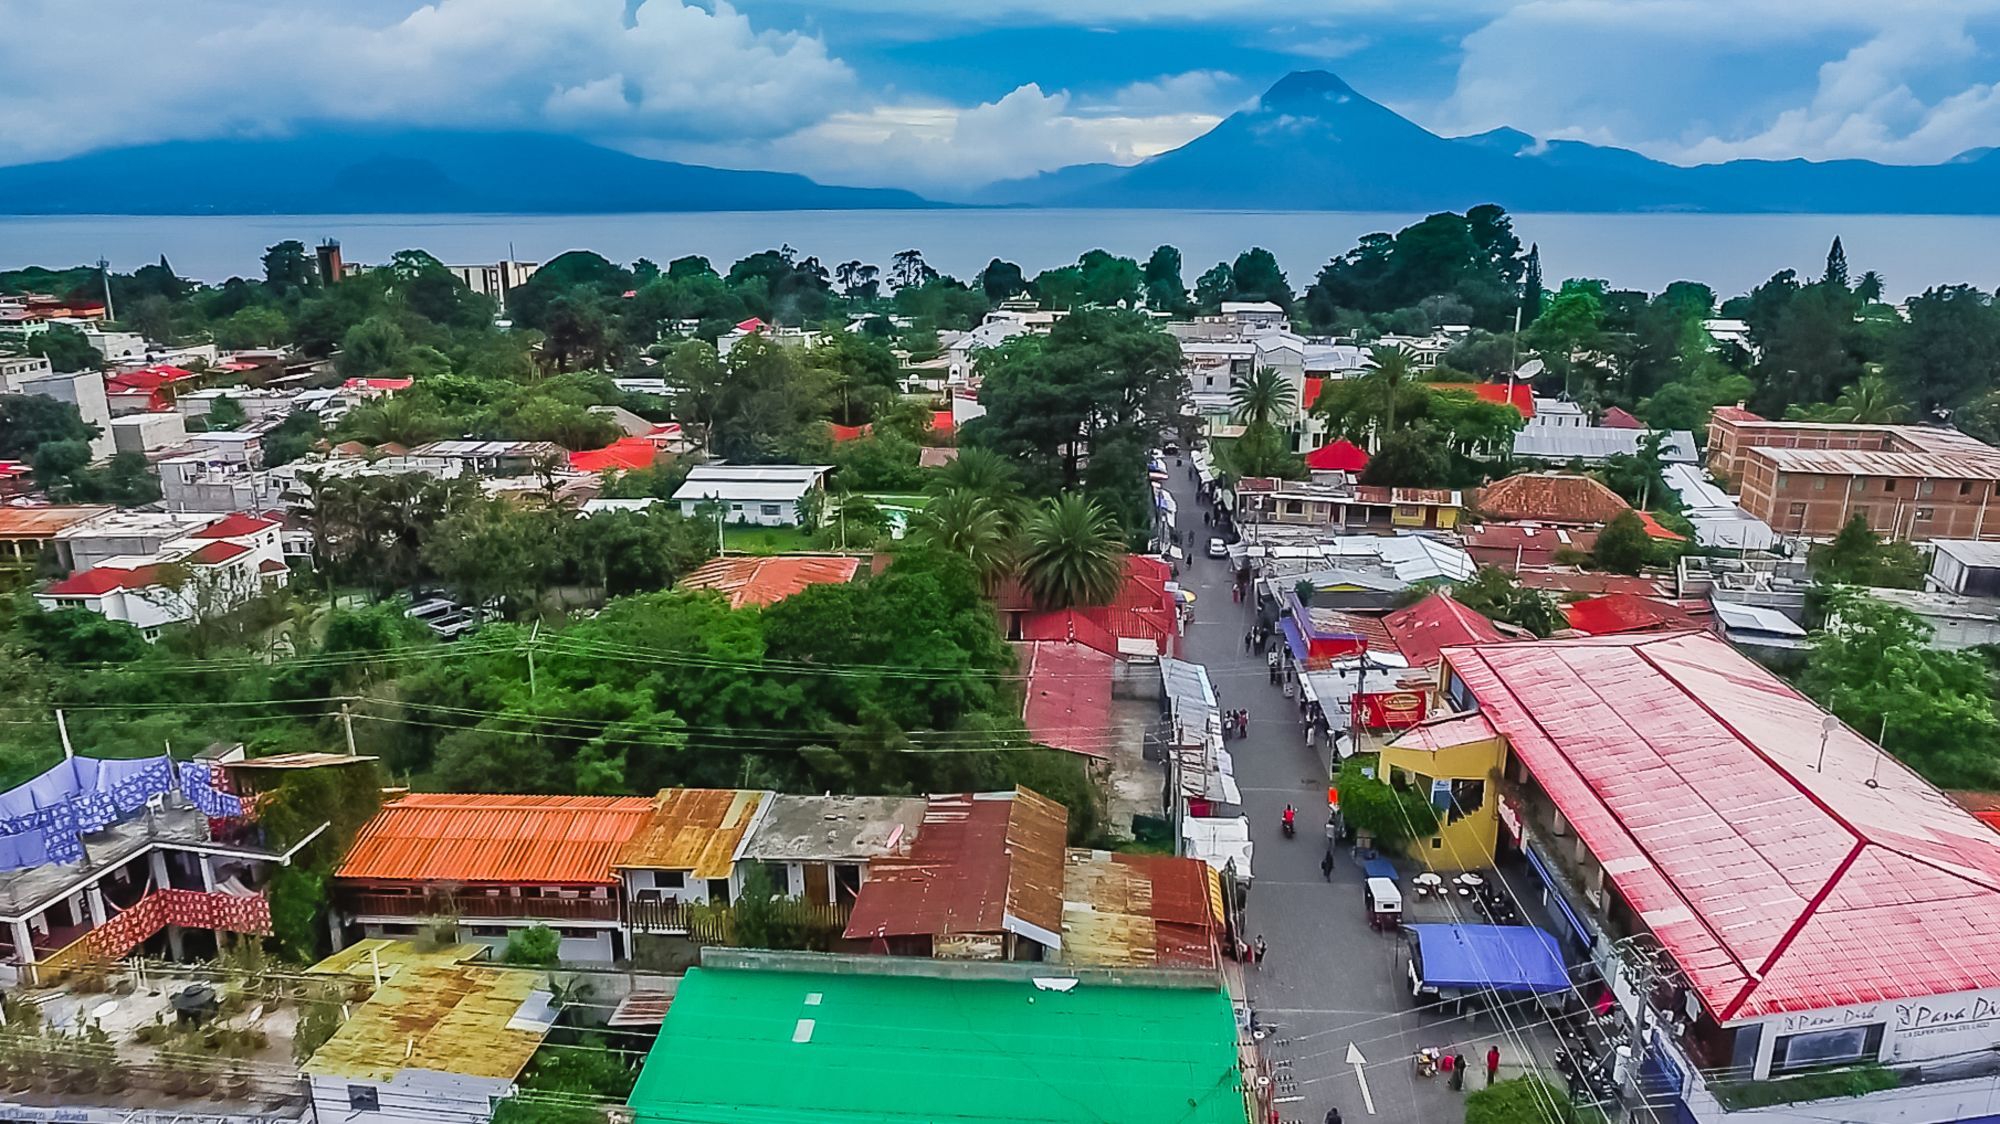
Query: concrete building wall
[
  {"x": 85, "y": 391},
  {"x": 1816, "y": 505}
]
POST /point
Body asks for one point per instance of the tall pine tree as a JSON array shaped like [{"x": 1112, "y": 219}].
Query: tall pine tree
[
  {"x": 1531, "y": 286},
  {"x": 1836, "y": 265}
]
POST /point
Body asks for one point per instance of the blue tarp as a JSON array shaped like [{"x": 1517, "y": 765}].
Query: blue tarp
[
  {"x": 1379, "y": 868},
  {"x": 1294, "y": 639},
  {"x": 1490, "y": 957},
  {"x": 77, "y": 796}
]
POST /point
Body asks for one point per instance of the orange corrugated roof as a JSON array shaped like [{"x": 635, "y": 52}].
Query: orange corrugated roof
[
  {"x": 693, "y": 829},
  {"x": 531, "y": 840},
  {"x": 44, "y": 522},
  {"x": 769, "y": 580}
]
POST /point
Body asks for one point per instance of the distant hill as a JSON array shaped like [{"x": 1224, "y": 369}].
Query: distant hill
[
  {"x": 405, "y": 172},
  {"x": 1313, "y": 143}
]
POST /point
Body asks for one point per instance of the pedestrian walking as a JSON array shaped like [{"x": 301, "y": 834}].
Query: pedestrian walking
[
  {"x": 1243, "y": 721},
  {"x": 1247, "y": 638},
  {"x": 1332, "y": 1116},
  {"x": 1326, "y": 872},
  {"x": 1261, "y": 947},
  {"x": 1457, "y": 1072},
  {"x": 1492, "y": 1063}
]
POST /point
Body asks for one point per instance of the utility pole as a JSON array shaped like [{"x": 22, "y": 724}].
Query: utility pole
[
  {"x": 532, "y": 633},
  {"x": 347, "y": 723},
  {"x": 104, "y": 271}
]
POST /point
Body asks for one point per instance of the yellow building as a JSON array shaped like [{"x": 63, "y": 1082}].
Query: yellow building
[{"x": 1456, "y": 762}]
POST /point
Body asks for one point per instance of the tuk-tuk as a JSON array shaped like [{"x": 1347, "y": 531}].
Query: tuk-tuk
[{"x": 1385, "y": 904}]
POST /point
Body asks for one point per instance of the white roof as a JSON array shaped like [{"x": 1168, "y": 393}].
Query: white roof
[
  {"x": 1414, "y": 558},
  {"x": 1591, "y": 442},
  {"x": 592, "y": 507},
  {"x": 1969, "y": 552},
  {"x": 757, "y": 473},
  {"x": 1219, "y": 842},
  {"x": 1250, "y": 306},
  {"x": 1693, "y": 486},
  {"x": 1738, "y": 617},
  {"x": 1555, "y": 406}
]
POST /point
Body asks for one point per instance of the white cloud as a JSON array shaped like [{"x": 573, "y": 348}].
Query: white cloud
[
  {"x": 1700, "y": 80},
  {"x": 935, "y": 145},
  {"x": 140, "y": 70},
  {"x": 1327, "y": 46}
]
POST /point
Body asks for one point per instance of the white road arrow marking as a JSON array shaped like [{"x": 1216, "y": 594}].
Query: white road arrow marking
[{"x": 1355, "y": 1059}]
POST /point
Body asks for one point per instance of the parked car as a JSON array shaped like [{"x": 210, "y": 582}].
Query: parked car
[
  {"x": 431, "y": 609},
  {"x": 1217, "y": 548}
]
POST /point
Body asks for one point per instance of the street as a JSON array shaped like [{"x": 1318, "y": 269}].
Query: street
[{"x": 1330, "y": 982}]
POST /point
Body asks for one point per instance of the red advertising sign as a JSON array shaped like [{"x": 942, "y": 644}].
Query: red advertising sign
[{"x": 1388, "y": 710}]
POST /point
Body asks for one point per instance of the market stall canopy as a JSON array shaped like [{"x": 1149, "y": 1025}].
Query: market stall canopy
[{"x": 1489, "y": 957}]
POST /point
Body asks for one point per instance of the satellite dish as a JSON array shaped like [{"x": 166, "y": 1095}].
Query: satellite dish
[
  {"x": 103, "y": 1009},
  {"x": 1530, "y": 369}
]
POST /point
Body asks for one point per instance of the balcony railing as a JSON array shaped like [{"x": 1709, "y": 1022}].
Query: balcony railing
[
  {"x": 709, "y": 922},
  {"x": 482, "y": 905}
]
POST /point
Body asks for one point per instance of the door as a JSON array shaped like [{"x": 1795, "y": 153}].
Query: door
[{"x": 816, "y": 887}]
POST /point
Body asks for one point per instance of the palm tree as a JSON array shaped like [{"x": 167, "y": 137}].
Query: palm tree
[
  {"x": 1072, "y": 553},
  {"x": 1394, "y": 368},
  {"x": 1872, "y": 400},
  {"x": 1869, "y": 288},
  {"x": 1264, "y": 399},
  {"x": 969, "y": 525},
  {"x": 978, "y": 471}
]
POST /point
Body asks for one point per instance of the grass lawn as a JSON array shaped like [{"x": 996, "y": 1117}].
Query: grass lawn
[{"x": 766, "y": 540}]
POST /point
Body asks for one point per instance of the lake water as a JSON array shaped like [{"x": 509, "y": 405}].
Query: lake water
[{"x": 1732, "y": 253}]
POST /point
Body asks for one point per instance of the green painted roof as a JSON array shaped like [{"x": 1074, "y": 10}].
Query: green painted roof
[{"x": 738, "y": 1048}]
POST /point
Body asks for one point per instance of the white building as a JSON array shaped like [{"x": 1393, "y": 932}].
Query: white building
[
  {"x": 766, "y": 495},
  {"x": 146, "y": 433},
  {"x": 204, "y": 573},
  {"x": 82, "y": 389},
  {"x": 1557, "y": 413}
]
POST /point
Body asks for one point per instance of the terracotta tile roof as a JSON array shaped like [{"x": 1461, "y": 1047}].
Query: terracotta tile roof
[
  {"x": 1551, "y": 498},
  {"x": 1437, "y": 622},
  {"x": 210, "y": 554},
  {"x": 1735, "y": 414},
  {"x": 693, "y": 829},
  {"x": 44, "y": 522},
  {"x": 1655, "y": 531},
  {"x": 1570, "y": 581},
  {"x": 1122, "y": 910},
  {"x": 1617, "y": 418},
  {"x": 530, "y": 840},
  {"x": 983, "y": 863},
  {"x": 235, "y": 526},
  {"x": 1068, "y": 703},
  {"x": 1515, "y": 545},
  {"x": 767, "y": 580}
]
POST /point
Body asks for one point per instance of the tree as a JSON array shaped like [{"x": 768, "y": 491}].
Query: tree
[
  {"x": 1165, "y": 291},
  {"x": 1494, "y": 594},
  {"x": 858, "y": 280},
  {"x": 225, "y": 413},
  {"x": 1409, "y": 458},
  {"x": 1214, "y": 287},
  {"x": 28, "y": 421},
  {"x": 293, "y": 438},
  {"x": 259, "y": 325},
  {"x": 1070, "y": 554},
  {"x": 376, "y": 346},
  {"x": 908, "y": 270},
  {"x": 1257, "y": 277},
  {"x": 1109, "y": 280},
  {"x": 979, "y": 471},
  {"x": 1873, "y": 667},
  {"x": 1061, "y": 287},
  {"x": 1949, "y": 351},
  {"x": 1869, "y": 288},
  {"x": 1858, "y": 556},
  {"x": 1392, "y": 815},
  {"x": 1623, "y": 545},
  {"x": 1525, "y": 1100},
  {"x": 1871, "y": 401},
  {"x": 1531, "y": 286},
  {"x": 152, "y": 316},
  {"x": 1002, "y": 280},
  {"x": 1262, "y": 403},
  {"x": 288, "y": 268},
  {"x": 536, "y": 946},
  {"x": 1572, "y": 317},
  {"x": 1836, "y": 265},
  {"x": 66, "y": 349}
]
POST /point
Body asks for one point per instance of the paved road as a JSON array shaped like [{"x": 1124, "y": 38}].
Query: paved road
[{"x": 1329, "y": 980}]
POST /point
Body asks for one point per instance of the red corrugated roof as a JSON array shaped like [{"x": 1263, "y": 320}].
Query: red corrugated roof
[
  {"x": 1655, "y": 531},
  {"x": 526, "y": 840},
  {"x": 235, "y": 526},
  {"x": 1735, "y": 413},
  {"x": 1551, "y": 498},
  {"x": 1310, "y": 394},
  {"x": 146, "y": 378},
  {"x": 751, "y": 325},
  {"x": 1068, "y": 704},
  {"x": 208, "y": 554},
  {"x": 767, "y": 580},
  {"x": 1569, "y": 581},
  {"x": 1514, "y": 545},
  {"x": 1520, "y": 395},
  {"x": 1435, "y": 623},
  {"x": 1623, "y": 612},
  {"x": 1445, "y": 732},
  {"x": 627, "y": 454},
  {"x": 848, "y": 432},
  {"x": 1618, "y": 418},
  {"x": 1338, "y": 456},
  {"x": 271, "y": 566},
  {"x": 941, "y": 421},
  {"x": 978, "y": 861},
  {"x": 1785, "y": 866}
]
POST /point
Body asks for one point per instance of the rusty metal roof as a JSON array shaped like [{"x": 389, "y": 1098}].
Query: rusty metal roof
[
  {"x": 1122, "y": 910},
  {"x": 1951, "y": 464},
  {"x": 768, "y": 580},
  {"x": 524, "y": 840},
  {"x": 457, "y": 1020},
  {"x": 1551, "y": 498},
  {"x": 982, "y": 863},
  {"x": 693, "y": 829},
  {"x": 44, "y": 522}
]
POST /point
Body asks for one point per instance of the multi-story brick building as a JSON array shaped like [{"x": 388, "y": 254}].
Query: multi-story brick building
[{"x": 1908, "y": 481}]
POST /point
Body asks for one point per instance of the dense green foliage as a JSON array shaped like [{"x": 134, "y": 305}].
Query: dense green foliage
[
  {"x": 1851, "y": 1081},
  {"x": 1393, "y": 815},
  {"x": 1859, "y": 556},
  {"x": 1525, "y": 1100}
]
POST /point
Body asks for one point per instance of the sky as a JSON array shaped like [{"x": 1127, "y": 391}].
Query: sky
[{"x": 942, "y": 96}]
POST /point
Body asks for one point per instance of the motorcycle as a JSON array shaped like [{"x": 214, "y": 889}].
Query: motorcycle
[{"x": 1291, "y": 828}]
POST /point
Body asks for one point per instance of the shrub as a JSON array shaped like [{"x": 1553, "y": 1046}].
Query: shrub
[{"x": 536, "y": 946}]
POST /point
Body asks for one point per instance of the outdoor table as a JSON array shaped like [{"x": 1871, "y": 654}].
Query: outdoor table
[
  {"x": 1470, "y": 879},
  {"x": 1428, "y": 878}
]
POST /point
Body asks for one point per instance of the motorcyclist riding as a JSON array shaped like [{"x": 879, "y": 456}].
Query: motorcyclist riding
[{"x": 1291, "y": 817}]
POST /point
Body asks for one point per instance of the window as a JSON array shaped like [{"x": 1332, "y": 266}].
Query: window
[
  {"x": 1467, "y": 797},
  {"x": 1965, "y": 487},
  {"x": 364, "y": 1098},
  {"x": 736, "y": 507},
  {"x": 670, "y": 879},
  {"x": 1889, "y": 486},
  {"x": 1795, "y": 1052},
  {"x": 1819, "y": 483},
  {"x": 1798, "y": 514},
  {"x": 1924, "y": 487},
  {"x": 1925, "y": 513},
  {"x": 770, "y": 509},
  {"x": 1294, "y": 507}
]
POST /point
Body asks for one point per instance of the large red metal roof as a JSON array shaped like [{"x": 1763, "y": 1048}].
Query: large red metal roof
[
  {"x": 1068, "y": 703},
  {"x": 1437, "y": 622},
  {"x": 1779, "y": 875},
  {"x": 979, "y": 862}
]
